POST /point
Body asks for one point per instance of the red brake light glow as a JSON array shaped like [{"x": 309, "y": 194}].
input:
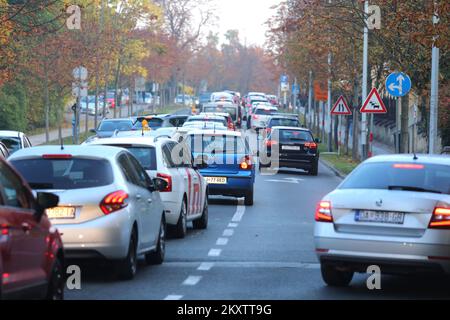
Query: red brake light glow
[
  {"x": 323, "y": 212},
  {"x": 114, "y": 202},
  {"x": 57, "y": 156},
  {"x": 270, "y": 143},
  {"x": 311, "y": 145},
  {"x": 168, "y": 179},
  {"x": 408, "y": 166},
  {"x": 441, "y": 217},
  {"x": 246, "y": 163}
]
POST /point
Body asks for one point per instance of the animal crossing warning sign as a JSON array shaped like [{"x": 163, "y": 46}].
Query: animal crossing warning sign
[
  {"x": 373, "y": 103},
  {"x": 341, "y": 107}
]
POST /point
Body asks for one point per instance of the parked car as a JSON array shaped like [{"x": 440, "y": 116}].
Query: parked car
[
  {"x": 14, "y": 140},
  {"x": 109, "y": 207},
  {"x": 90, "y": 102},
  {"x": 392, "y": 211},
  {"x": 185, "y": 198},
  {"x": 31, "y": 250}
]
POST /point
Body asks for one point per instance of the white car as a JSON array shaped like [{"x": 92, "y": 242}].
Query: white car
[
  {"x": 14, "y": 140},
  {"x": 185, "y": 198},
  {"x": 109, "y": 208},
  {"x": 261, "y": 115},
  {"x": 393, "y": 212}
]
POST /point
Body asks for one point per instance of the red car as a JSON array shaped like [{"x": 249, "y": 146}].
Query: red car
[{"x": 31, "y": 250}]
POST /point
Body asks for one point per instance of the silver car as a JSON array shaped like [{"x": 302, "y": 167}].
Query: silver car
[
  {"x": 392, "y": 212},
  {"x": 109, "y": 207}
]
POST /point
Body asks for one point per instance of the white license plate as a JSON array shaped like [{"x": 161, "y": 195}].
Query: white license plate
[
  {"x": 216, "y": 180},
  {"x": 379, "y": 216},
  {"x": 295, "y": 148},
  {"x": 61, "y": 213}
]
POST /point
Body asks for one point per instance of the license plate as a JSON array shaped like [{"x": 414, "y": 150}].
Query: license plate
[
  {"x": 295, "y": 148},
  {"x": 61, "y": 213},
  {"x": 379, "y": 217},
  {"x": 216, "y": 180}
]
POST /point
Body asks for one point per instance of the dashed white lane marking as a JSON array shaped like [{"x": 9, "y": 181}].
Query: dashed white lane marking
[
  {"x": 228, "y": 232},
  {"x": 239, "y": 212},
  {"x": 222, "y": 241},
  {"x": 245, "y": 264},
  {"x": 173, "y": 297},
  {"x": 192, "y": 280},
  {"x": 214, "y": 252},
  {"x": 205, "y": 266},
  {"x": 233, "y": 225}
]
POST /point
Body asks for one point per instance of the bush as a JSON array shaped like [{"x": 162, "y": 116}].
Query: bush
[{"x": 13, "y": 107}]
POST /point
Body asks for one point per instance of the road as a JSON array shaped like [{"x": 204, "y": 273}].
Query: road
[{"x": 261, "y": 252}]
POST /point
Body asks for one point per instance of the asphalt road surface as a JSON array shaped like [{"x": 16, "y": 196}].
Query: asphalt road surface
[{"x": 261, "y": 252}]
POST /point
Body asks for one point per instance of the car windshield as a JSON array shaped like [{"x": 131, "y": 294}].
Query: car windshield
[
  {"x": 216, "y": 143},
  {"x": 400, "y": 176},
  {"x": 12, "y": 143},
  {"x": 115, "y": 125},
  {"x": 65, "y": 174},
  {"x": 284, "y": 122}
]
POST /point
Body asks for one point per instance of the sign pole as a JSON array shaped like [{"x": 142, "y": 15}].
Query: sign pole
[
  {"x": 364, "y": 83},
  {"x": 434, "y": 96}
]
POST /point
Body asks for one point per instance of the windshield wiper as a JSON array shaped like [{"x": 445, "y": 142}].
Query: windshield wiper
[{"x": 410, "y": 188}]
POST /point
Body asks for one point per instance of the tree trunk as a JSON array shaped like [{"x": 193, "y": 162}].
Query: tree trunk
[{"x": 47, "y": 103}]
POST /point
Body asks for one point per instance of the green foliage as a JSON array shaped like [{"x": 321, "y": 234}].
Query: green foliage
[{"x": 13, "y": 107}]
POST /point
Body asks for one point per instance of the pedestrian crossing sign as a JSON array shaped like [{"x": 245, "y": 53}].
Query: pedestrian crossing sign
[
  {"x": 341, "y": 107},
  {"x": 373, "y": 103}
]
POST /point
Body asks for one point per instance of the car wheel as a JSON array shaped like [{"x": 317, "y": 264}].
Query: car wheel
[
  {"x": 157, "y": 256},
  {"x": 334, "y": 277},
  {"x": 248, "y": 200},
  {"x": 202, "y": 222},
  {"x": 181, "y": 227},
  {"x": 315, "y": 169},
  {"x": 128, "y": 267},
  {"x": 56, "y": 284}
]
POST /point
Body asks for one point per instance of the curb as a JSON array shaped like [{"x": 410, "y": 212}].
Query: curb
[{"x": 332, "y": 168}]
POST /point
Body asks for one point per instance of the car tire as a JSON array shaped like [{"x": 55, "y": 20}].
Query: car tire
[
  {"x": 248, "y": 200},
  {"x": 181, "y": 226},
  {"x": 157, "y": 256},
  {"x": 202, "y": 222},
  {"x": 334, "y": 277},
  {"x": 127, "y": 268},
  {"x": 57, "y": 282},
  {"x": 315, "y": 169}
]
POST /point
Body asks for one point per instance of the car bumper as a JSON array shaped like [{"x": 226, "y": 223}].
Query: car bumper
[
  {"x": 171, "y": 209},
  {"x": 237, "y": 185},
  {"x": 429, "y": 253},
  {"x": 105, "y": 237},
  {"x": 299, "y": 162}
]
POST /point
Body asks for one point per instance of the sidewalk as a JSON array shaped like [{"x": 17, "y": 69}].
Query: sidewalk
[{"x": 380, "y": 148}]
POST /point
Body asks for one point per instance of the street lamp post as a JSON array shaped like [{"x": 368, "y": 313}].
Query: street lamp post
[{"x": 364, "y": 82}]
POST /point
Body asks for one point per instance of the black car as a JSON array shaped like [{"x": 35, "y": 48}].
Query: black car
[
  {"x": 107, "y": 127},
  {"x": 290, "y": 147}
]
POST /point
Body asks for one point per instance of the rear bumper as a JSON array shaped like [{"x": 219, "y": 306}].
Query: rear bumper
[
  {"x": 392, "y": 254},
  {"x": 237, "y": 185},
  {"x": 298, "y": 162}
]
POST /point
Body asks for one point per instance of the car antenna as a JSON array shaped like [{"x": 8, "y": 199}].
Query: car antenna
[{"x": 61, "y": 140}]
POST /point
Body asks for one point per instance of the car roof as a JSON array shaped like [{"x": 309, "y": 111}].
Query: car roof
[
  {"x": 421, "y": 158},
  {"x": 266, "y": 107},
  {"x": 116, "y": 119},
  {"x": 10, "y": 133},
  {"x": 206, "y": 116},
  {"x": 104, "y": 152},
  {"x": 290, "y": 128},
  {"x": 209, "y": 131},
  {"x": 135, "y": 140}
]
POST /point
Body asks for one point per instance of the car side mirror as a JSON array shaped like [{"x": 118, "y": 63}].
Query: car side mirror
[
  {"x": 45, "y": 201},
  {"x": 93, "y": 131},
  {"x": 317, "y": 140},
  {"x": 159, "y": 184}
]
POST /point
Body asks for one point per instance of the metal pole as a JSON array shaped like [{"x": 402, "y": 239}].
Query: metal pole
[
  {"x": 399, "y": 121},
  {"x": 364, "y": 83},
  {"x": 330, "y": 134},
  {"x": 310, "y": 106},
  {"x": 434, "y": 97}
]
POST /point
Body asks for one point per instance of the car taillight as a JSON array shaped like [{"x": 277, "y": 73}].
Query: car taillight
[
  {"x": 323, "y": 212},
  {"x": 311, "y": 145},
  {"x": 168, "y": 179},
  {"x": 114, "y": 202},
  {"x": 268, "y": 130},
  {"x": 270, "y": 143},
  {"x": 4, "y": 230},
  {"x": 255, "y": 117},
  {"x": 246, "y": 163},
  {"x": 57, "y": 156},
  {"x": 441, "y": 217}
]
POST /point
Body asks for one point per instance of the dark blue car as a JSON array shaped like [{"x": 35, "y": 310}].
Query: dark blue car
[{"x": 229, "y": 168}]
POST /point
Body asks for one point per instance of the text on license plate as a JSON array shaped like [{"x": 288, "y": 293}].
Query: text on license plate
[
  {"x": 379, "y": 216},
  {"x": 61, "y": 213},
  {"x": 216, "y": 180},
  {"x": 296, "y": 148}
]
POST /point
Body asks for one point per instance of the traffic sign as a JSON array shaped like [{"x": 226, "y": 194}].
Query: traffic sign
[
  {"x": 373, "y": 103},
  {"x": 80, "y": 73},
  {"x": 320, "y": 91},
  {"x": 398, "y": 84},
  {"x": 80, "y": 89},
  {"x": 284, "y": 79},
  {"x": 341, "y": 107},
  {"x": 284, "y": 86}
]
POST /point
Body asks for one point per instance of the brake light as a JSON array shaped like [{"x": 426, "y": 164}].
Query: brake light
[
  {"x": 168, "y": 179},
  {"x": 441, "y": 217},
  {"x": 255, "y": 116},
  {"x": 408, "y": 166},
  {"x": 270, "y": 143},
  {"x": 4, "y": 230},
  {"x": 57, "y": 156},
  {"x": 268, "y": 130},
  {"x": 323, "y": 212},
  {"x": 246, "y": 163},
  {"x": 114, "y": 202},
  {"x": 311, "y": 145}
]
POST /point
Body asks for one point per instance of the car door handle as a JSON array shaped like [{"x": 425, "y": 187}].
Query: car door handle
[
  {"x": 149, "y": 200},
  {"x": 138, "y": 197},
  {"x": 26, "y": 227}
]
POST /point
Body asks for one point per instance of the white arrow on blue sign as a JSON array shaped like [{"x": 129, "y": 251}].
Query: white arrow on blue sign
[
  {"x": 284, "y": 79},
  {"x": 398, "y": 84}
]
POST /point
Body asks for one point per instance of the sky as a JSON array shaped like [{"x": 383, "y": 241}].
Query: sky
[{"x": 248, "y": 16}]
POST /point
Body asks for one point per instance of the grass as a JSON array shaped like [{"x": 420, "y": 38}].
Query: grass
[{"x": 342, "y": 163}]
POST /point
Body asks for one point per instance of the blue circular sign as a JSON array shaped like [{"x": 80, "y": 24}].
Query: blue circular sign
[{"x": 398, "y": 84}]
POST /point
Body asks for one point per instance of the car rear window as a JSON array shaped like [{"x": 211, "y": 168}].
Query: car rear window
[
  {"x": 289, "y": 136},
  {"x": 208, "y": 119},
  {"x": 400, "y": 176},
  {"x": 115, "y": 125},
  {"x": 265, "y": 111},
  {"x": 230, "y": 110},
  {"x": 153, "y": 123},
  {"x": 145, "y": 155},
  {"x": 284, "y": 122},
  {"x": 216, "y": 143},
  {"x": 65, "y": 174}
]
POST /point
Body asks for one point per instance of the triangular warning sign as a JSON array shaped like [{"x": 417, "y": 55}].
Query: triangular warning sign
[
  {"x": 341, "y": 107},
  {"x": 373, "y": 103}
]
